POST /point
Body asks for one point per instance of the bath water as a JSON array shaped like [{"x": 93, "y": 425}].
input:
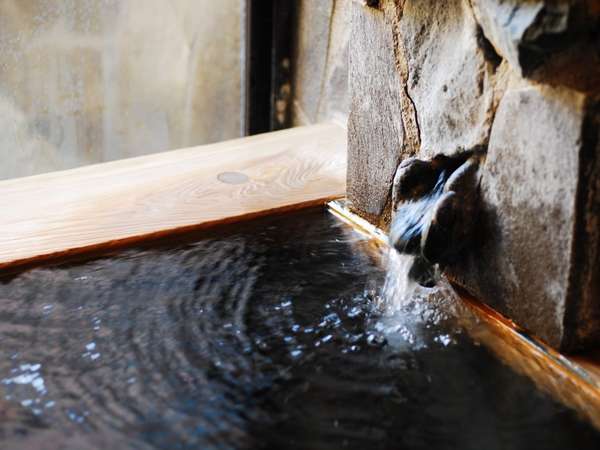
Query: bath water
[{"x": 281, "y": 333}]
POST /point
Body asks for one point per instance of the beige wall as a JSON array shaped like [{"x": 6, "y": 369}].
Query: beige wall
[
  {"x": 321, "y": 61},
  {"x": 85, "y": 81}
]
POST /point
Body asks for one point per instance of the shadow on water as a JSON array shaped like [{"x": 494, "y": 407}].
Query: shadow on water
[{"x": 279, "y": 333}]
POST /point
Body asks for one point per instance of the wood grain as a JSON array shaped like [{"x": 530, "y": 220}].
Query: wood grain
[
  {"x": 564, "y": 377},
  {"x": 121, "y": 201}
]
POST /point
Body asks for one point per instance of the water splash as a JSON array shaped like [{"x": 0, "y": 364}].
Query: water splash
[
  {"x": 411, "y": 219},
  {"x": 398, "y": 289},
  {"x": 413, "y": 316},
  {"x": 409, "y": 229},
  {"x": 413, "y": 288}
]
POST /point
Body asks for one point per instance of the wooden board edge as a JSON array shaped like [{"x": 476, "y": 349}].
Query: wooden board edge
[{"x": 117, "y": 244}]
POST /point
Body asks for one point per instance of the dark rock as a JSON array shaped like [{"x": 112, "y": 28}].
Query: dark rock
[
  {"x": 438, "y": 242},
  {"x": 423, "y": 272},
  {"x": 414, "y": 178},
  {"x": 534, "y": 34}
]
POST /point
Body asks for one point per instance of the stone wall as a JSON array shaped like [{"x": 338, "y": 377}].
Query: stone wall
[
  {"x": 520, "y": 81},
  {"x": 86, "y": 81}
]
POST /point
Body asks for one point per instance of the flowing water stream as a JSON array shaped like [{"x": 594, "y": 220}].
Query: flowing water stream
[{"x": 281, "y": 333}]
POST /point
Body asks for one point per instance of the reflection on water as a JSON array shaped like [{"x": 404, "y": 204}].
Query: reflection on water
[{"x": 273, "y": 334}]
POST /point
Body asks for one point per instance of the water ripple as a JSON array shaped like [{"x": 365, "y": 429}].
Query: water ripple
[{"x": 275, "y": 334}]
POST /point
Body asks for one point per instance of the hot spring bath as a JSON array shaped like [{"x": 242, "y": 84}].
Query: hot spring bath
[{"x": 275, "y": 333}]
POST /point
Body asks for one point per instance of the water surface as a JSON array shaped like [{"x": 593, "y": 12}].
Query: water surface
[{"x": 272, "y": 334}]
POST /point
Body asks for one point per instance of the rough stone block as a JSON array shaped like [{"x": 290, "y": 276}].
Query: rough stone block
[
  {"x": 546, "y": 40},
  {"x": 449, "y": 78},
  {"x": 536, "y": 256},
  {"x": 513, "y": 27},
  {"x": 375, "y": 131},
  {"x": 519, "y": 82}
]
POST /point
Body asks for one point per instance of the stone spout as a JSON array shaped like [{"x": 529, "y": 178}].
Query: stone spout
[{"x": 434, "y": 207}]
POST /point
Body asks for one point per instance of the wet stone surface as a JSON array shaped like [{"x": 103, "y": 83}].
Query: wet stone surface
[
  {"x": 277, "y": 333},
  {"x": 520, "y": 80},
  {"x": 434, "y": 205}
]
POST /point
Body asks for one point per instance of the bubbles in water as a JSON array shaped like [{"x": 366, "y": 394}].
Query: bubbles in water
[
  {"x": 27, "y": 383},
  {"x": 410, "y": 314}
]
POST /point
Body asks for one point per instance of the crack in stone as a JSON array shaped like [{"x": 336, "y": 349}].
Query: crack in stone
[
  {"x": 410, "y": 122},
  {"x": 411, "y": 144}
]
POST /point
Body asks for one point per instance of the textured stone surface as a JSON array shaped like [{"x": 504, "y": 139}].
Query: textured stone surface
[
  {"x": 89, "y": 81},
  {"x": 441, "y": 111},
  {"x": 518, "y": 81},
  {"x": 544, "y": 39},
  {"x": 524, "y": 258},
  {"x": 375, "y": 130},
  {"x": 582, "y": 319},
  {"x": 510, "y": 26},
  {"x": 449, "y": 79}
]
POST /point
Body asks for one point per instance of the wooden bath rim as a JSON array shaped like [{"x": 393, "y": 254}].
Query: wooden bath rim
[{"x": 103, "y": 206}]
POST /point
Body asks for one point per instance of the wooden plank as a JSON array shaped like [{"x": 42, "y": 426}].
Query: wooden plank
[
  {"x": 590, "y": 361},
  {"x": 574, "y": 384},
  {"x": 118, "y": 202}
]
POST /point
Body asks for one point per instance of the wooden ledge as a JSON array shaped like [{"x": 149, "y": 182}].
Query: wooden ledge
[{"x": 115, "y": 203}]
